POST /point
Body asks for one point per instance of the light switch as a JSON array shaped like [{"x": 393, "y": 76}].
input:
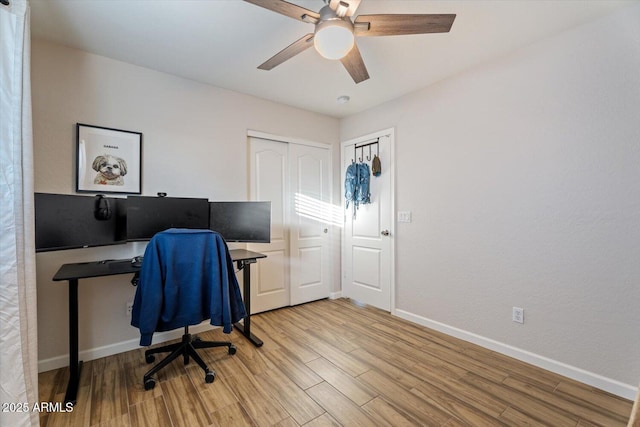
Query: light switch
[{"x": 404, "y": 216}]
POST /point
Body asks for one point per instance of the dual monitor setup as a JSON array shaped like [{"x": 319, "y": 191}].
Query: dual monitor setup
[{"x": 71, "y": 221}]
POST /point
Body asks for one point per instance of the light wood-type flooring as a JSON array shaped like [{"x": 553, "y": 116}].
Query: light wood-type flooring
[{"x": 332, "y": 363}]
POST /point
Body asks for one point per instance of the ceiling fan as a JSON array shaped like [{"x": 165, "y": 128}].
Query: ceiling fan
[{"x": 335, "y": 31}]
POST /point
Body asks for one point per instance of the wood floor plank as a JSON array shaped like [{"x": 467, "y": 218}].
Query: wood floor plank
[
  {"x": 449, "y": 382},
  {"x": 400, "y": 335},
  {"x": 513, "y": 417},
  {"x": 465, "y": 362},
  {"x": 410, "y": 403},
  {"x": 215, "y": 395},
  {"x": 47, "y": 386},
  {"x": 121, "y": 421},
  {"x": 134, "y": 373},
  {"x": 289, "y": 422},
  {"x": 450, "y": 404},
  {"x": 292, "y": 398},
  {"x": 587, "y": 395},
  {"x": 282, "y": 340},
  {"x": 344, "y": 361},
  {"x": 261, "y": 406},
  {"x": 150, "y": 413},
  {"x": 597, "y": 416},
  {"x": 253, "y": 357},
  {"x": 293, "y": 368},
  {"x": 232, "y": 415},
  {"x": 323, "y": 309},
  {"x": 514, "y": 368},
  {"x": 292, "y": 330},
  {"x": 263, "y": 329},
  {"x": 344, "y": 383},
  {"x": 81, "y": 414},
  {"x": 536, "y": 409},
  {"x": 385, "y": 413},
  {"x": 339, "y": 406},
  {"x": 396, "y": 374},
  {"x": 183, "y": 402},
  {"x": 336, "y": 337},
  {"x": 324, "y": 420},
  {"x": 331, "y": 363},
  {"x": 301, "y": 315},
  {"x": 365, "y": 335},
  {"x": 108, "y": 396}
]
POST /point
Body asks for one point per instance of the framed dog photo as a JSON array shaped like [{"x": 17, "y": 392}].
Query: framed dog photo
[{"x": 108, "y": 160}]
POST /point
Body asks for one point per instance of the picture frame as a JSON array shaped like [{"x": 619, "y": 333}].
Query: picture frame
[{"x": 108, "y": 160}]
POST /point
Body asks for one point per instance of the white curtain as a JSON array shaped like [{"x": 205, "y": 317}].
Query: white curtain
[{"x": 18, "y": 322}]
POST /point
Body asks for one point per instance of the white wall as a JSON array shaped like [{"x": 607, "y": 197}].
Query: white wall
[
  {"x": 194, "y": 145},
  {"x": 529, "y": 195}
]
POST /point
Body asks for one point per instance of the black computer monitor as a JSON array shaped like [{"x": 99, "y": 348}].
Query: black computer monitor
[
  {"x": 248, "y": 222},
  {"x": 147, "y": 216},
  {"x": 64, "y": 221}
]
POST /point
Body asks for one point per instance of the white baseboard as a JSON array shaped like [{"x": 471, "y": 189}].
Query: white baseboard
[
  {"x": 120, "y": 347},
  {"x": 603, "y": 383},
  {"x": 335, "y": 295}
]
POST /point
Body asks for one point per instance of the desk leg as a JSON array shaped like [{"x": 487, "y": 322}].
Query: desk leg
[
  {"x": 74, "y": 364},
  {"x": 246, "y": 327}
]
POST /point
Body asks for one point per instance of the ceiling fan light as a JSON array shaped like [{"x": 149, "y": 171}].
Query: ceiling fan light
[{"x": 334, "y": 38}]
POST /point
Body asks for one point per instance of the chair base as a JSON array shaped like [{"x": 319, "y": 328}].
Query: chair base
[{"x": 187, "y": 349}]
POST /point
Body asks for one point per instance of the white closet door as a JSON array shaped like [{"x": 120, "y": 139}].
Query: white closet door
[
  {"x": 269, "y": 178},
  {"x": 296, "y": 179},
  {"x": 310, "y": 224}
]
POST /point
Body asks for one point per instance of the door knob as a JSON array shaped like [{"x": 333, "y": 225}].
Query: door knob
[
  {"x": 385, "y": 232},
  {"x": 326, "y": 230}
]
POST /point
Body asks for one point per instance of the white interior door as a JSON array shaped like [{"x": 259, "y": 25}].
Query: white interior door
[
  {"x": 310, "y": 222},
  {"x": 367, "y": 251},
  {"x": 269, "y": 181}
]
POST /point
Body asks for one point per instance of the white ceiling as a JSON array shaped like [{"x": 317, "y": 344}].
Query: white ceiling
[{"x": 221, "y": 42}]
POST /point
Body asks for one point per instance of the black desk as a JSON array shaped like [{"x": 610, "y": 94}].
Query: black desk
[{"x": 84, "y": 270}]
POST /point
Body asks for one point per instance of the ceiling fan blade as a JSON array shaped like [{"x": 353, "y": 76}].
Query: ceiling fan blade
[
  {"x": 344, "y": 7},
  {"x": 355, "y": 65},
  {"x": 288, "y": 9},
  {"x": 392, "y": 25},
  {"x": 288, "y": 52}
]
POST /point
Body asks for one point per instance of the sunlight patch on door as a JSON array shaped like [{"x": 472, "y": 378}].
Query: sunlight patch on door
[{"x": 317, "y": 210}]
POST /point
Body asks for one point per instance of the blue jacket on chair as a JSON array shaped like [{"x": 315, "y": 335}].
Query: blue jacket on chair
[{"x": 186, "y": 277}]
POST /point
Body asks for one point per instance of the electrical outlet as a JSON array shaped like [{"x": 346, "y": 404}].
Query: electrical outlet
[
  {"x": 129, "y": 308},
  {"x": 518, "y": 315}
]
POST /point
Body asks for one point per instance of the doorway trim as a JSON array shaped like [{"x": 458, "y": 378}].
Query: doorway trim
[{"x": 289, "y": 140}]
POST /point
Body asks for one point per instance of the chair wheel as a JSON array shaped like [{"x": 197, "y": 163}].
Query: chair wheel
[
  {"x": 232, "y": 349},
  {"x": 150, "y": 358},
  {"x": 209, "y": 377},
  {"x": 149, "y": 384}
]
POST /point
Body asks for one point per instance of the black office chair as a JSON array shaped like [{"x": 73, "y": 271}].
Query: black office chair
[{"x": 186, "y": 277}]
